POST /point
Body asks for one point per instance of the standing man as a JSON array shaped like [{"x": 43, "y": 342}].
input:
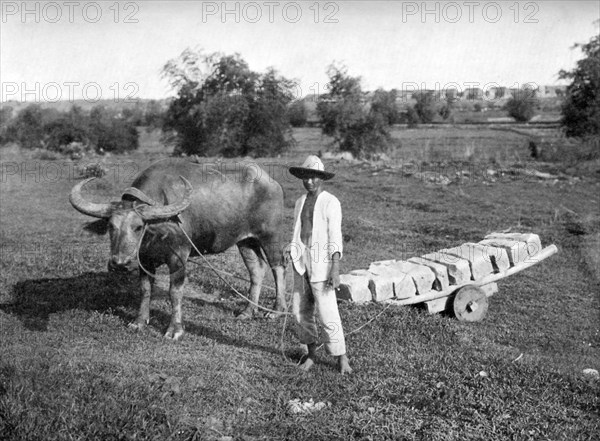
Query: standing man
[{"x": 316, "y": 250}]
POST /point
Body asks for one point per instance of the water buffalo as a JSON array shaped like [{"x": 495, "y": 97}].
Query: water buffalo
[{"x": 217, "y": 208}]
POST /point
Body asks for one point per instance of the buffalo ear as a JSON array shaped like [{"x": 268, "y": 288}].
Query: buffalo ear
[{"x": 99, "y": 227}]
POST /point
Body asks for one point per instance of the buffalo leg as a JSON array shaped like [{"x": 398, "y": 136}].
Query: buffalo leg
[
  {"x": 252, "y": 255},
  {"x": 279, "y": 276},
  {"x": 146, "y": 284},
  {"x": 177, "y": 269},
  {"x": 276, "y": 260}
]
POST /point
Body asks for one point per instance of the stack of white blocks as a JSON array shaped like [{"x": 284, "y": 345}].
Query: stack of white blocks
[{"x": 398, "y": 279}]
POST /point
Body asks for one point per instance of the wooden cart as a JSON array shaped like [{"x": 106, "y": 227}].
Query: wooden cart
[{"x": 469, "y": 301}]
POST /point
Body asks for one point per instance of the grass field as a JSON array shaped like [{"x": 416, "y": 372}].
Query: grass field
[{"x": 70, "y": 369}]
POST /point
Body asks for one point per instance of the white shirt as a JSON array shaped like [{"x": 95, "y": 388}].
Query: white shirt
[{"x": 316, "y": 257}]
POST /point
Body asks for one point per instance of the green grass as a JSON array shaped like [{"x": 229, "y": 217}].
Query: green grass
[{"x": 70, "y": 368}]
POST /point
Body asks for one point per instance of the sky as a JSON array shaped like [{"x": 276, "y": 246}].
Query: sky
[{"x": 52, "y": 51}]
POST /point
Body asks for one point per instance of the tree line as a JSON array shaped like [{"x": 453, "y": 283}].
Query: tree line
[
  {"x": 76, "y": 132},
  {"x": 223, "y": 108}
]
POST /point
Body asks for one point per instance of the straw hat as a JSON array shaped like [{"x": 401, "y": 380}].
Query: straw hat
[{"x": 312, "y": 167}]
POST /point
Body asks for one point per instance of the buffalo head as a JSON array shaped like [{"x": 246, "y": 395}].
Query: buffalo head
[{"x": 125, "y": 220}]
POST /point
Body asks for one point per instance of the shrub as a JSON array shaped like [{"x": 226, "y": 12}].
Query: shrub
[
  {"x": 70, "y": 127},
  {"x": 522, "y": 105},
  {"x": 109, "y": 133},
  {"x": 75, "y": 150},
  {"x": 446, "y": 111},
  {"x": 95, "y": 170}
]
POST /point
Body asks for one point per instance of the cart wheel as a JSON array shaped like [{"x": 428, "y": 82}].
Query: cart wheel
[{"x": 470, "y": 304}]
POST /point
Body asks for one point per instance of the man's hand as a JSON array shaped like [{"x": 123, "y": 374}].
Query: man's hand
[
  {"x": 334, "y": 280},
  {"x": 334, "y": 274}
]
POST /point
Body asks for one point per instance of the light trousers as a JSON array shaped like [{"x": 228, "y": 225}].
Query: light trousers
[{"x": 313, "y": 300}]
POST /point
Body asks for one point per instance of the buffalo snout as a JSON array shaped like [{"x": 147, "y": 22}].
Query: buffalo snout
[{"x": 120, "y": 264}]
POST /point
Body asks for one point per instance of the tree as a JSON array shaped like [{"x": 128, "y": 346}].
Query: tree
[
  {"x": 358, "y": 125},
  {"x": 447, "y": 109},
  {"x": 425, "y": 106},
  {"x": 72, "y": 126},
  {"x": 384, "y": 103},
  {"x": 109, "y": 133},
  {"x": 581, "y": 109},
  {"x": 153, "y": 114},
  {"x": 412, "y": 117},
  {"x": 224, "y": 108},
  {"x": 522, "y": 105},
  {"x": 134, "y": 114},
  {"x": 27, "y": 128},
  {"x": 6, "y": 114},
  {"x": 297, "y": 113}
]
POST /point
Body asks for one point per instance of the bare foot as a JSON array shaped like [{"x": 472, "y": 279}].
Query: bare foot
[
  {"x": 306, "y": 363},
  {"x": 344, "y": 365},
  {"x": 174, "y": 332}
]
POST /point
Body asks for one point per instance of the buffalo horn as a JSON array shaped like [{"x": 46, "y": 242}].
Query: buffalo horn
[
  {"x": 168, "y": 211},
  {"x": 88, "y": 208}
]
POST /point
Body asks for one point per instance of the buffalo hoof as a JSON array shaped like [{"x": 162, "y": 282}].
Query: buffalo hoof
[
  {"x": 138, "y": 325},
  {"x": 279, "y": 311},
  {"x": 175, "y": 332},
  {"x": 246, "y": 314}
]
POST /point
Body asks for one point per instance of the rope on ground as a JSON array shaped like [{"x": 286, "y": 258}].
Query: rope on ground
[
  {"x": 227, "y": 282},
  {"x": 284, "y": 313}
]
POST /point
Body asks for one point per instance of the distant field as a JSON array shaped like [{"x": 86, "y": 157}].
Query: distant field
[
  {"x": 443, "y": 143},
  {"x": 473, "y": 143},
  {"x": 71, "y": 369}
]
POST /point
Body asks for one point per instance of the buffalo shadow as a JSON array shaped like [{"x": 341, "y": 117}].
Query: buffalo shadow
[{"x": 35, "y": 300}]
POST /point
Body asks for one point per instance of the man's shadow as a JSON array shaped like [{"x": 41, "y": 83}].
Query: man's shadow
[{"x": 34, "y": 301}]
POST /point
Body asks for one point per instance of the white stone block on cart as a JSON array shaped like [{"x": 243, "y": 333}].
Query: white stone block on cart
[
  {"x": 480, "y": 262},
  {"x": 403, "y": 285},
  {"x": 497, "y": 255},
  {"x": 355, "y": 287},
  {"x": 381, "y": 287},
  {"x": 442, "y": 280},
  {"x": 534, "y": 244},
  {"x": 374, "y": 267},
  {"x": 459, "y": 270},
  {"x": 515, "y": 250},
  {"x": 422, "y": 276}
]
